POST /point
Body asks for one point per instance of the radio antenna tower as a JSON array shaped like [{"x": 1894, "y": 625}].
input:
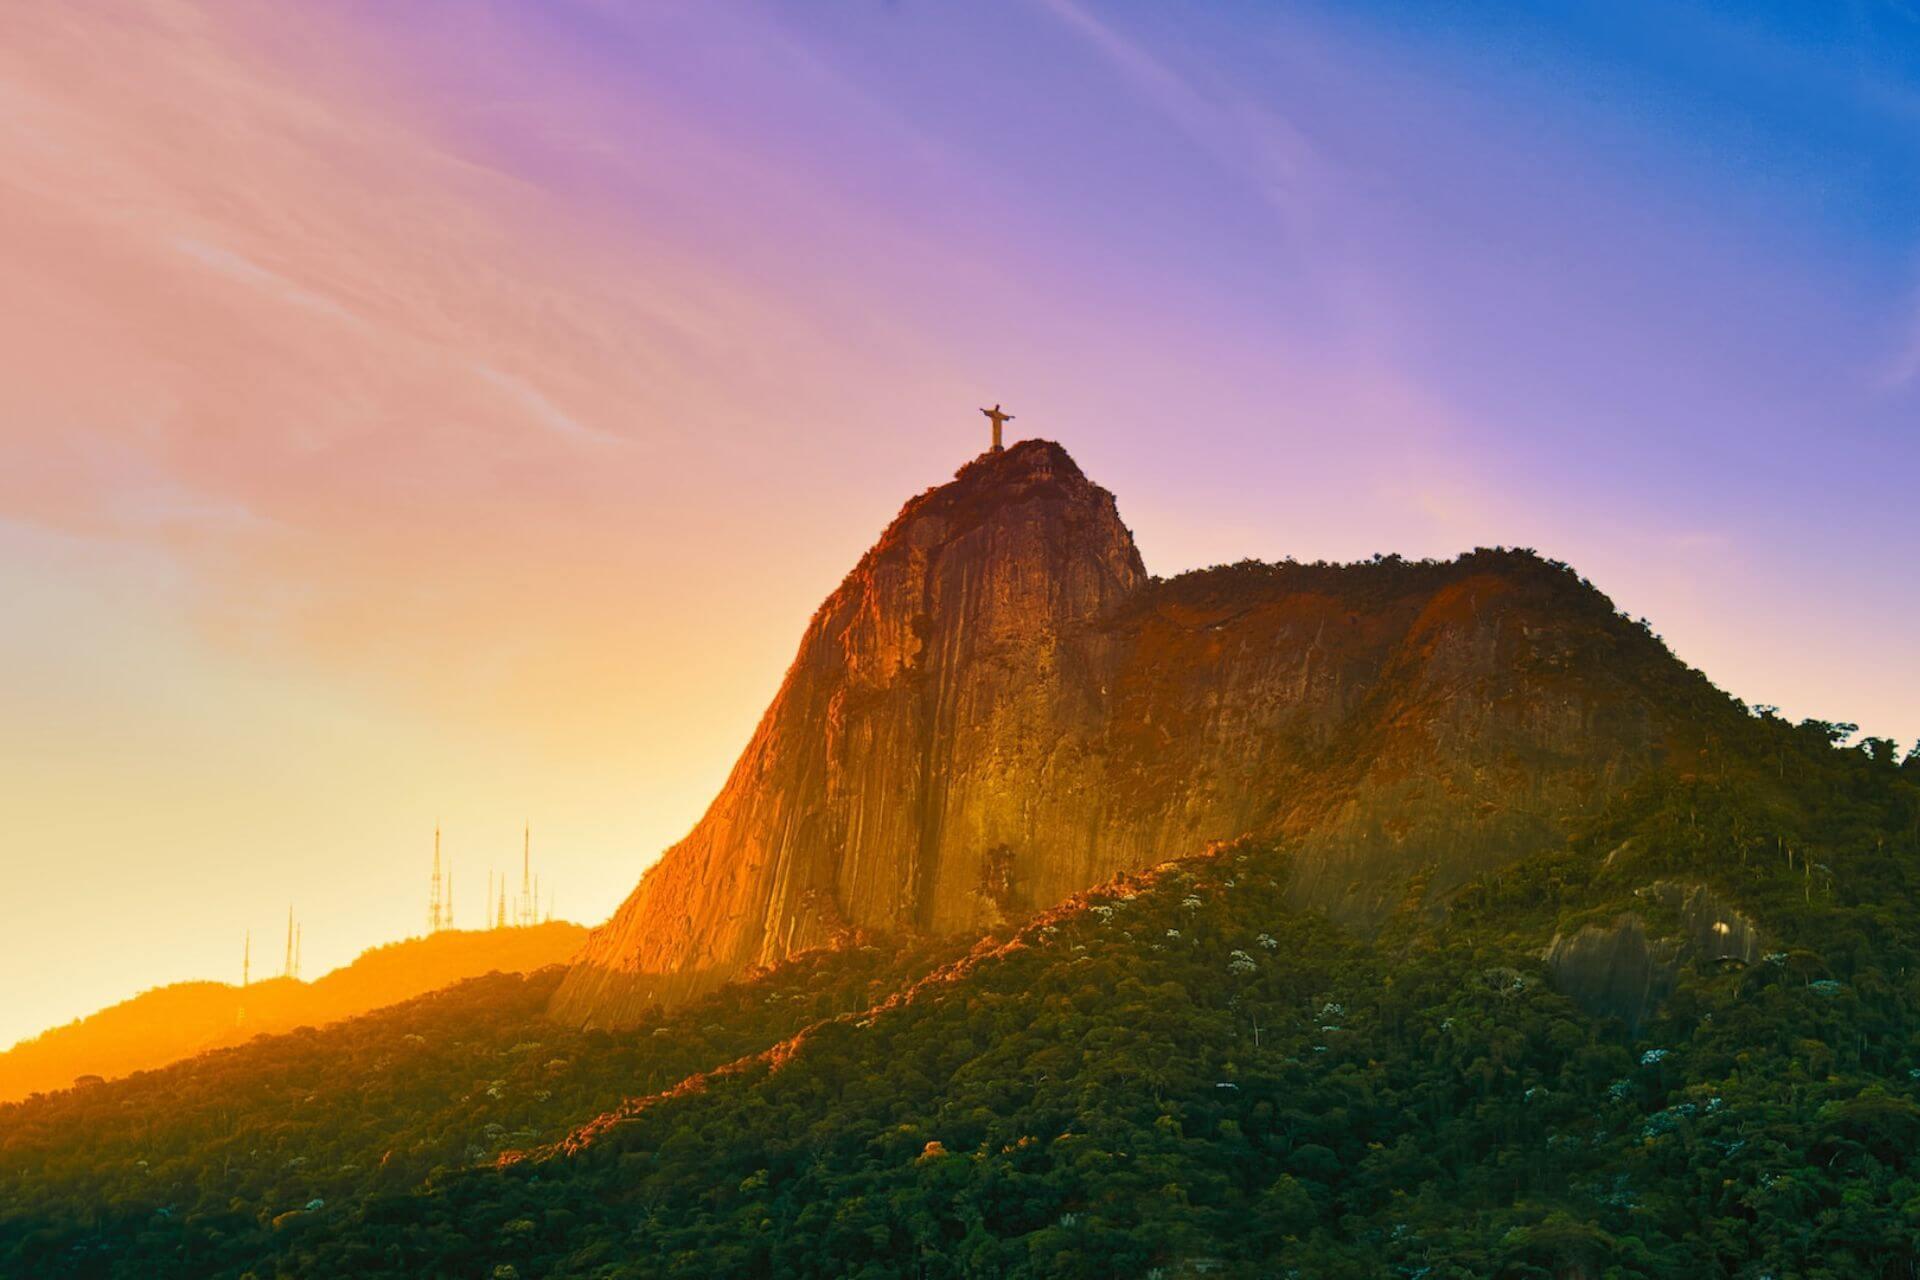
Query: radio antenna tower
[
  {"x": 526, "y": 884},
  {"x": 286, "y": 968},
  {"x": 436, "y": 896},
  {"x": 246, "y": 961},
  {"x": 500, "y": 921}
]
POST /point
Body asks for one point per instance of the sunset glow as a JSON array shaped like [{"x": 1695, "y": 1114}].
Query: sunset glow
[{"x": 445, "y": 413}]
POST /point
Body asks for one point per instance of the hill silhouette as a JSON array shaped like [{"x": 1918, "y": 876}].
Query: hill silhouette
[{"x": 177, "y": 1021}]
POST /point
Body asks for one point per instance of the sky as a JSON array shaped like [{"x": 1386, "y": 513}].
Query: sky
[{"x": 452, "y": 412}]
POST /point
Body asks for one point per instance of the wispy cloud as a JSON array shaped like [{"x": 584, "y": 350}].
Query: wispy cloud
[
  {"x": 237, "y": 267},
  {"x": 1242, "y": 136},
  {"x": 543, "y": 410},
  {"x": 1903, "y": 369}
]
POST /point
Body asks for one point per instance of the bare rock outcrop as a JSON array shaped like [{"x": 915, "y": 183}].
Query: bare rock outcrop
[{"x": 1622, "y": 971}]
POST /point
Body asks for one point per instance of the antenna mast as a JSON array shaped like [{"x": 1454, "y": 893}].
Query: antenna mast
[
  {"x": 436, "y": 899},
  {"x": 526, "y": 885},
  {"x": 286, "y": 968},
  {"x": 246, "y": 961}
]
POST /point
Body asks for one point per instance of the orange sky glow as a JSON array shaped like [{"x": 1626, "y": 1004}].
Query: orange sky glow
[{"x": 391, "y": 440}]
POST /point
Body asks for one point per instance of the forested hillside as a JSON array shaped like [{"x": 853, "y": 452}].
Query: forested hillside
[
  {"x": 1177, "y": 1073},
  {"x": 173, "y": 1022},
  {"x": 199, "y": 1168}
]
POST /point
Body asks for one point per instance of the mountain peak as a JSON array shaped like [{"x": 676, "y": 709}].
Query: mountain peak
[
  {"x": 999, "y": 707},
  {"x": 1031, "y": 456},
  {"x": 1025, "y": 517},
  {"x": 1026, "y": 472}
]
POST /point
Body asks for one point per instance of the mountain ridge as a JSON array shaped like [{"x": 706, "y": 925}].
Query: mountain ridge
[{"x": 999, "y": 706}]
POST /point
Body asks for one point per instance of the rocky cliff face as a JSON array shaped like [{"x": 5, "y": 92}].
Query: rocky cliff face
[
  {"x": 1621, "y": 971},
  {"x": 999, "y": 707}
]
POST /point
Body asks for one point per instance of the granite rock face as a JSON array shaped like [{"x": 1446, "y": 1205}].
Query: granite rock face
[
  {"x": 1623, "y": 971},
  {"x": 1615, "y": 970},
  {"x": 999, "y": 707}
]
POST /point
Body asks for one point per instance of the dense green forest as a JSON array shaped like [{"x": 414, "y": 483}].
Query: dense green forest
[
  {"x": 182, "y": 1170},
  {"x": 1173, "y": 1074}
]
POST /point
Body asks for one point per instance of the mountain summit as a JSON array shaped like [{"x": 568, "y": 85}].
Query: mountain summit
[
  {"x": 890, "y": 780},
  {"x": 999, "y": 707}
]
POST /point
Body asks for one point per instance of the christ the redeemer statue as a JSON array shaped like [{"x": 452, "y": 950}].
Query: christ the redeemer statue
[{"x": 998, "y": 418}]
